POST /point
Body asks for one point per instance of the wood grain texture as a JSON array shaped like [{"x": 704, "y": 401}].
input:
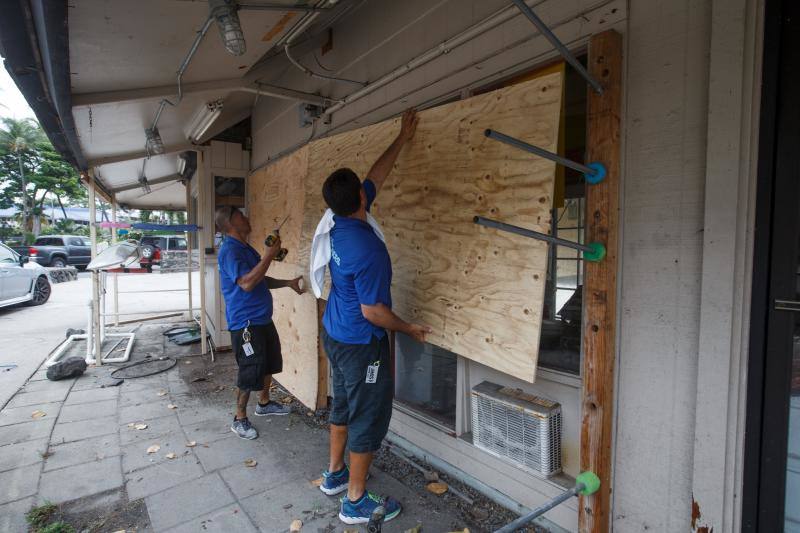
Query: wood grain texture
[
  {"x": 600, "y": 288},
  {"x": 479, "y": 289},
  {"x": 273, "y": 193}
]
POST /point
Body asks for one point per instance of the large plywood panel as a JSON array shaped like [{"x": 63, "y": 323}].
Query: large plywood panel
[
  {"x": 480, "y": 290},
  {"x": 275, "y": 192}
]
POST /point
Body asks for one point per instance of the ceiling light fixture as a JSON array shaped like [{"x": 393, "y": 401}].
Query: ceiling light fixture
[
  {"x": 202, "y": 120},
  {"x": 230, "y": 29},
  {"x": 145, "y": 186},
  {"x": 154, "y": 145}
]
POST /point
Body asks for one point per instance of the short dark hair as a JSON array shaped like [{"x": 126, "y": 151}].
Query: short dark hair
[{"x": 342, "y": 192}]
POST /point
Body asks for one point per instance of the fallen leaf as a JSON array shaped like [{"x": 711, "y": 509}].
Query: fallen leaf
[
  {"x": 140, "y": 426},
  {"x": 288, "y": 506},
  {"x": 357, "y": 531},
  {"x": 317, "y": 482},
  {"x": 154, "y": 448},
  {"x": 296, "y": 525},
  {"x": 162, "y": 393},
  {"x": 172, "y": 406},
  {"x": 437, "y": 488},
  {"x": 465, "y": 530},
  {"x": 188, "y": 362},
  {"x": 38, "y": 414},
  {"x": 415, "y": 529},
  {"x": 286, "y": 400},
  {"x": 310, "y": 413},
  {"x": 250, "y": 462},
  {"x": 195, "y": 380},
  {"x": 120, "y": 531},
  {"x": 430, "y": 476},
  {"x": 171, "y": 455},
  {"x": 191, "y": 444}
]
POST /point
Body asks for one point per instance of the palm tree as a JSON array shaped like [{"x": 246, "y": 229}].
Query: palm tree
[{"x": 19, "y": 137}]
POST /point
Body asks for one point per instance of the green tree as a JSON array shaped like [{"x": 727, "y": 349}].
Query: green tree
[
  {"x": 18, "y": 140},
  {"x": 145, "y": 215},
  {"x": 32, "y": 171}
]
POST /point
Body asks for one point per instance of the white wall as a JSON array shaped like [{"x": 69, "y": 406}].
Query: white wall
[
  {"x": 663, "y": 212},
  {"x": 666, "y": 94}
]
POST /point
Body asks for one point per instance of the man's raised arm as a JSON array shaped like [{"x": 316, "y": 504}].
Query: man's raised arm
[{"x": 383, "y": 166}]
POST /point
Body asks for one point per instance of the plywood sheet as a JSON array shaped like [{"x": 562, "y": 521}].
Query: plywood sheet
[
  {"x": 273, "y": 193},
  {"x": 480, "y": 290}
]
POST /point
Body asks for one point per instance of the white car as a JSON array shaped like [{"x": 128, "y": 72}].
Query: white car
[{"x": 21, "y": 281}]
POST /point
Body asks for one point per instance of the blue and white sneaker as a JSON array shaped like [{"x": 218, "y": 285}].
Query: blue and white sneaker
[
  {"x": 360, "y": 512},
  {"x": 271, "y": 409},
  {"x": 244, "y": 429},
  {"x": 335, "y": 482}
]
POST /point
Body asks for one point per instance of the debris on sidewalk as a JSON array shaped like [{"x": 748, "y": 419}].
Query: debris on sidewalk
[
  {"x": 250, "y": 463},
  {"x": 437, "y": 488},
  {"x": 70, "y": 367},
  {"x": 171, "y": 455},
  {"x": 153, "y": 449},
  {"x": 191, "y": 444},
  {"x": 38, "y": 414},
  {"x": 296, "y": 525}
]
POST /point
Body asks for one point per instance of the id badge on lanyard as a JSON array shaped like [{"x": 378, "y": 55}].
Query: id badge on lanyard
[
  {"x": 372, "y": 372},
  {"x": 246, "y": 346}
]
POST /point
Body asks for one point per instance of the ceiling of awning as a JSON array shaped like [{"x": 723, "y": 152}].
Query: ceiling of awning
[{"x": 124, "y": 57}]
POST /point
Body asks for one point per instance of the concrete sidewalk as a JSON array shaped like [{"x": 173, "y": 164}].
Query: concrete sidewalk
[{"x": 87, "y": 454}]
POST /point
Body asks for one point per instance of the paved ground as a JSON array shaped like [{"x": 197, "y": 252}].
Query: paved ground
[
  {"x": 28, "y": 334},
  {"x": 87, "y": 455}
]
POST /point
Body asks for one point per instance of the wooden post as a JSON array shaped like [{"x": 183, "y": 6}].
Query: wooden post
[
  {"x": 600, "y": 286},
  {"x": 322, "y": 361},
  {"x": 116, "y": 276},
  {"x": 94, "y": 335}
]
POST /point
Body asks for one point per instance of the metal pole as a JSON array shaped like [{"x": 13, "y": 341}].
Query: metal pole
[
  {"x": 523, "y": 520},
  {"x": 204, "y": 207},
  {"x": 541, "y": 152},
  {"x": 280, "y": 7},
  {"x": 115, "y": 275},
  {"x": 189, "y": 247},
  {"x": 550, "y": 36},
  {"x": 489, "y": 223},
  {"x": 94, "y": 335}
]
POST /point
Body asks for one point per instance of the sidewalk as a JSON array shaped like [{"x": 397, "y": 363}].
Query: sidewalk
[{"x": 88, "y": 454}]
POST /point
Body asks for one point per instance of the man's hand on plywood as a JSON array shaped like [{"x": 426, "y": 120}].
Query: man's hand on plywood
[{"x": 383, "y": 166}]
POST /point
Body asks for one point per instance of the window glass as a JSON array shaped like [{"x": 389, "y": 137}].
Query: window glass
[
  {"x": 7, "y": 256},
  {"x": 178, "y": 244},
  {"x": 75, "y": 242}
]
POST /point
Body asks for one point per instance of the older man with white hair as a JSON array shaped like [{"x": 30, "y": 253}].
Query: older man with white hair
[{"x": 248, "y": 310}]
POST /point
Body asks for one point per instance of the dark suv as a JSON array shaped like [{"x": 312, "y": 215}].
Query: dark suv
[
  {"x": 153, "y": 246},
  {"x": 61, "y": 250}
]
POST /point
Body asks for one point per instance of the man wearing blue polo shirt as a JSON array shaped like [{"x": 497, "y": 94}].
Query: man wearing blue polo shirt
[
  {"x": 248, "y": 310},
  {"x": 358, "y": 313}
]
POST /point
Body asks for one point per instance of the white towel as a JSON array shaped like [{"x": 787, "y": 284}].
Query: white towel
[{"x": 321, "y": 249}]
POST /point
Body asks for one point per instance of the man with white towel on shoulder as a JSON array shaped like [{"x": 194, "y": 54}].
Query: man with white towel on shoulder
[{"x": 357, "y": 317}]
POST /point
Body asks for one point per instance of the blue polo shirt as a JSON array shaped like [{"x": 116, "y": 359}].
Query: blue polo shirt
[
  {"x": 235, "y": 259},
  {"x": 361, "y": 273}
]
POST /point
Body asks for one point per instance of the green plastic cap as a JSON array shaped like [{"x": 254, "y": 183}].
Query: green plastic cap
[
  {"x": 590, "y": 482},
  {"x": 597, "y": 254}
]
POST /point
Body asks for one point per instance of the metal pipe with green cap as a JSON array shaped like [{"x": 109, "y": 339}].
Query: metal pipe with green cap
[
  {"x": 594, "y": 251},
  {"x": 586, "y": 483}
]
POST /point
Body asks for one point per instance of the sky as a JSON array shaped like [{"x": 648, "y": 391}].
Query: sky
[{"x": 12, "y": 103}]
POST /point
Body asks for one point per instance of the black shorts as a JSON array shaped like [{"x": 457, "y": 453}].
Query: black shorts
[
  {"x": 365, "y": 408},
  {"x": 266, "y": 359}
]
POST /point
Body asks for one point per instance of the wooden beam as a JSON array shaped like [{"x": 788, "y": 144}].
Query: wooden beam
[
  {"x": 155, "y": 181},
  {"x": 140, "y": 154},
  {"x": 171, "y": 91},
  {"x": 600, "y": 286}
]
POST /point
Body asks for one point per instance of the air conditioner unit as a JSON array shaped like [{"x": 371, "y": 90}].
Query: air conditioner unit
[{"x": 520, "y": 427}]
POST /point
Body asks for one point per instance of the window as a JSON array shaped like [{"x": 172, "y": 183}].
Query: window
[
  {"x": 178, "y": 243},
  {"x": 7, "y": 256},
  {"x": 425, "y": 380},
  {"x": 76, "y": 242},
  {"x": 560, "y": 341}
]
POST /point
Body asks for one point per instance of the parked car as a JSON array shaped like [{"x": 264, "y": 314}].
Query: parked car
[
  {"x": 21, "y": 281},
  {"x": 61, "y": 250},
  {"x": 153, "y": 246}
]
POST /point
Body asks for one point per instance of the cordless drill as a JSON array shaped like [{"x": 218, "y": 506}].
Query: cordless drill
[{"x": 274, "y": 236}]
